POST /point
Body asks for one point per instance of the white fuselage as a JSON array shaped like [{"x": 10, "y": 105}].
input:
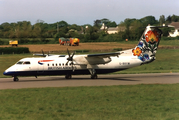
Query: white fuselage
[{"x": 57, "y": 65}]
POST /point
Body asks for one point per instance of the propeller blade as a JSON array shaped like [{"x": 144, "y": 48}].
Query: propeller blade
[
  {"x": 43, "y": 53},
  {"x": 68, "y": 52},
  {"x": 73, "y": 54},
  {"x": 48, "y": 53},
  {"x": 67, "y": 62},
  {"x": 72, "y": 66},
  {"x": 70, "y": 58}
]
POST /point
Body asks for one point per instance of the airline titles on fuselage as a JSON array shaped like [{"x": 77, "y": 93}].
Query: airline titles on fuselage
[{"x": 60, "y": 68}]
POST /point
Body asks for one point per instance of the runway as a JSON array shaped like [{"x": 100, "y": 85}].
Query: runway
[{"x": 84, "y": 80}]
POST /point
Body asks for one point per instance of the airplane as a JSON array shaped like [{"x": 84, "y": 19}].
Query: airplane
[{"x": 101, "y": 63}]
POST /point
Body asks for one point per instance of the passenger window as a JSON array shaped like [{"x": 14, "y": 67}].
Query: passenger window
[
  {"x": 56, "y": 64},
  {"x": 59, "y": 64},
  {"x": 47, "y": 64},
  {"x": 52, "y": 64},
  {"x": 26, "y": 63}
]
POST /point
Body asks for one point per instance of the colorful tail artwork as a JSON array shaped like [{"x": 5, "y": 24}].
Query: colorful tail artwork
[{"x": 148, "y": 44}]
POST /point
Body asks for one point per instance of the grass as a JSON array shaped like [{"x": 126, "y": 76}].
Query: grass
[
  {"x": 132, "y": 102},
  {"x": 162, "y": 42},
  {"x": 170, "y": 42}
]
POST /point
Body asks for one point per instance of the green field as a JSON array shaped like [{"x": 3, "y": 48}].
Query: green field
[
  {"x": 162, "y": 42},
  {"x": 131, "y": 102}
]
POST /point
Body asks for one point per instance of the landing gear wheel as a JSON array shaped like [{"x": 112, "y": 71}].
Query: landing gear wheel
[
  {"x": 68, "y": 76},
  {"x": 15, "y": 79},
  {"x": 94, "y": 76}
]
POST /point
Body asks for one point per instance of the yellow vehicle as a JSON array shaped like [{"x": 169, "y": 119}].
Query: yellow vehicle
[{"x": 13, "y": 43}]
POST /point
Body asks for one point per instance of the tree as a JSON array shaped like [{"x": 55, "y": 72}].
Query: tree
[
  {"x": 136, "y": 29},
  {"x": 127, "y": 23},
  {"x": 91, "y": 33},
  {"x": 62, "y": 24},
  {"x": 175, "y": 18},
  {"x": 111, "y": 24},
  {"x": 75, "y": 27},
  {"x": 162, "y": 19},
  {"x": 5, "y": 27},
  {"x": 148, "y": 20},
  {"x": 105, "y": 21},
  {"x": 168, "y": 20},
  {"x": 97, "y": 23}
]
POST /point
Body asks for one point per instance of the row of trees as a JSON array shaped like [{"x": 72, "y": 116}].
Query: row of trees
[{"x": 42, "y": 31}]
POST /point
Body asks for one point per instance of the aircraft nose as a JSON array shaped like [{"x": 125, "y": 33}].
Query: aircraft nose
[
  {"x": 10, "y": 71},
  {"x": 5, "y": 73}
]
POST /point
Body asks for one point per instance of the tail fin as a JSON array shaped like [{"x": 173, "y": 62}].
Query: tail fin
[{"x": 148, "y": 44}]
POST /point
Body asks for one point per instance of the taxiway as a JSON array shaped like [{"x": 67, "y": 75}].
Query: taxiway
[{"x": 84, "y": 80}]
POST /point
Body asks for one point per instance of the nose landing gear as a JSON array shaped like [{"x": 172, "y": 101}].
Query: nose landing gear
[{"x": 15, "y": 79}]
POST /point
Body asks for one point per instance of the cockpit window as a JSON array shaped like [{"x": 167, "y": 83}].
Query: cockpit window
[
  {"x": 23, "y": 63},
  {"x": 26, "y": 62},
  {"x": 20, "y": 62}
]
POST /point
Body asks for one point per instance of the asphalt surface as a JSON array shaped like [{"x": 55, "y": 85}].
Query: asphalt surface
[{"x": 84, "y": 80}]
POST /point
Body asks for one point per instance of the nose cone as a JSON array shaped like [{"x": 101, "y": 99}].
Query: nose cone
[{"x": 7, "y": 73}]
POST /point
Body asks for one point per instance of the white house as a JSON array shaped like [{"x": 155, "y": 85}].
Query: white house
[
  {"x": 103, "y": 27},
  {"x": 112, "y": 30},
  {"x": 109, "y": 30},
  {"x": 176, "y": 31}
]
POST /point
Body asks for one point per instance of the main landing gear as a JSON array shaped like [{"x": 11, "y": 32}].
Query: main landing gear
[
  {"x": 68, "y": 76},
  {"x": 15, "y": 79},
  {"x": 93, "y": 74}
]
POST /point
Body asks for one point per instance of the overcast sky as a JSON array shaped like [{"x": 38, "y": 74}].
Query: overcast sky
[{"x": 84, "y": 11}]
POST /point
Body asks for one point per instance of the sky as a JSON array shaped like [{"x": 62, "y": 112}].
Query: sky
[{"x": 82, "y": 12}]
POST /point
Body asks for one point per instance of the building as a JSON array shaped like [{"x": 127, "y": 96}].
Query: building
[
  {"x": 112, "y": 30},
  {"x": 104, "y": 27},
  {"x": 176, "y": 31}
]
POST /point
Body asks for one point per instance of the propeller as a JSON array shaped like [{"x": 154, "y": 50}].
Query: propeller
[
  {"x": 43, "y": 53},
  {"x": 48, "y": 53},
  {"x": 70, "y": 58}
]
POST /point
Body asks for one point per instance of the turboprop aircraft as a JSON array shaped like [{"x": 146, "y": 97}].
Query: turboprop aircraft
[{"x": 93, "y": 64}]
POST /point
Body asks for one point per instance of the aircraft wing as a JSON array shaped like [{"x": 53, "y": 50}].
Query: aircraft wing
[
  {"x": 43, "y": 55},
  {"x": 95, "y": 59},
  {"x": 47, "y": 55},
  {"x": 104, "y": 55}
]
